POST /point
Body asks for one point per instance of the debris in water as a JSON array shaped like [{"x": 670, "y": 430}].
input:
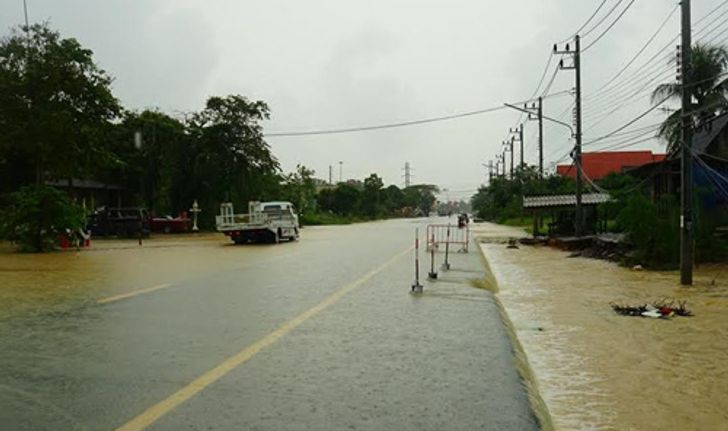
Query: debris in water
[
  {"x": 659, "y": 309},
  {"x": 512, "y": 243}
]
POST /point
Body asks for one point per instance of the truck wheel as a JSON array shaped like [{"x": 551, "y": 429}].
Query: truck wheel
[{"x": 277, "y": 237}]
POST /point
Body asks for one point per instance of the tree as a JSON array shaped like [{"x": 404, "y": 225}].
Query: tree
[
  {"x": 231, "y": 160},
  {"x": 393, "y": 198},
  {"x": 420, "y": 197},
  {"x": 36, "y": 215},
  {"x": 299, "y": 188},
  {"x": 371, "y": 196},
  {"x": 158, "y": 171},
  {"x": 707, "y": 88},
  {"x": 55, "y": 107},
  {"x": 502, "y": 197}
]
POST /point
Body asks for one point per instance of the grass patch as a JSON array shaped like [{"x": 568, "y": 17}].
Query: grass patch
[
  {"x": 484, "y": 283},
  {"x": 526, "y": 222}
]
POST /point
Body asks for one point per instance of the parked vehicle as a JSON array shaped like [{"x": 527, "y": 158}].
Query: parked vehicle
[
  {"x": 265, "y": 221},
  {"x": 169, "y": 224},
  {"x": 123, "y": 222}
]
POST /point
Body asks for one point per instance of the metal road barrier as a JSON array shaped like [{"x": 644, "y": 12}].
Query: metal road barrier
[{"x": 447, "y": 234}]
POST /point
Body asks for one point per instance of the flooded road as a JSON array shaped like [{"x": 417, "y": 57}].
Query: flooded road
[
  {"x": 597, "y": 370},
  {"x": 196, "y": 333}
]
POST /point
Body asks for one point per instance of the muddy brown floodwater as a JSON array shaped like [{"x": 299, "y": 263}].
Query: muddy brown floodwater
[
  {"x": 33, "y": 283},
  {"x": 598, "y": 370}
]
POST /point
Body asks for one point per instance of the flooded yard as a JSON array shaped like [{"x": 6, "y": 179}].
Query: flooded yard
[{"x": 599, "y": 370}]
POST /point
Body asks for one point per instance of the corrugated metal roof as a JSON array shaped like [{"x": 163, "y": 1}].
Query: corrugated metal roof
[
  {"x": 707, "y": 134},
  {"x": 596, "y": 165},
  {"x": 563, "y": 200}
]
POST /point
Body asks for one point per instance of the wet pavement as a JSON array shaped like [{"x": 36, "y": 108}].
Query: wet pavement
[{"x": 195, "y": 333}]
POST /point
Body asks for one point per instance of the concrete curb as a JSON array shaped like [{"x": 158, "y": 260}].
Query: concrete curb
[{"x": 538, "y": 405}]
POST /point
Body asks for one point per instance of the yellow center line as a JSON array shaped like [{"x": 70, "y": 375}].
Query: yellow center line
[
  {"x": 131, "y": 294},
  {"x": 163, "y": 407}
]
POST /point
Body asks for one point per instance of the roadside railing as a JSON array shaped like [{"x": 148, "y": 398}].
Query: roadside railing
[{"x": 441, "y": 234}]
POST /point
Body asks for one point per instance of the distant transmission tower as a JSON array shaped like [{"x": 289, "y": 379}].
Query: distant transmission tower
[{"x": 407, "y": 175}]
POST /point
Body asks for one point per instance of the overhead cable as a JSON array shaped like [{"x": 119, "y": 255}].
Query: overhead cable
[{"x": 586, "y": 48}]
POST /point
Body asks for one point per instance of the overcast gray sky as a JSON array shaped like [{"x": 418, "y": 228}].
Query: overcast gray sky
[{"x": 324, "y": 64}]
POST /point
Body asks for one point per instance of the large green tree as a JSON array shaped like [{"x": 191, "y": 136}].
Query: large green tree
[
  {"x": 155, "y": 168},
  {"x": 231, "y": 160},
  {"x": 707, "y": 85},
  {"x": 55, "y": 107}
]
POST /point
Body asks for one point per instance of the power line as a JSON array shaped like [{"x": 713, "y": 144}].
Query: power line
[
  {"x": 610, "y": 26},
  {"x": 626, "y": 101},
  {"x": 723, "y": 3},
  {"x": 629, "y": 90},
  {"x": 586, "y": 23},
  {"x": 385, "y": 126},
  {"x": 669, "y": 45},
  {"x": 629, "y": 123},
  {"x": 603, "y": 18},
  {"x": 641, "y": 50},
  {"x": 706, "y": 26}
]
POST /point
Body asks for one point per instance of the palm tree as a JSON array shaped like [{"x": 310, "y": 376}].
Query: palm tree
[{"x": 708, "y": 85}]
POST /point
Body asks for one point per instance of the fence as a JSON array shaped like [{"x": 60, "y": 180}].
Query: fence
[{"x": 437, "y": 235}]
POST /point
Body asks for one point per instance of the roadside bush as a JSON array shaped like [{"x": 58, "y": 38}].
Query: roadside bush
[
  {"x": 36, "y": 215},
  {"x": 323, "y": 218},
  {"x": 651, "y": 229}
]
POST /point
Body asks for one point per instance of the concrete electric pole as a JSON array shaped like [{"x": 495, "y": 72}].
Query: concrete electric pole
[
  {"x": 518, "y": 136},
  {"x": 686, "y": 171},
  {"x": 576, "y": 66}
]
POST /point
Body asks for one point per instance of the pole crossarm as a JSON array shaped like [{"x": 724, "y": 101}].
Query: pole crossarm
[{"x": 553, "y": 120}]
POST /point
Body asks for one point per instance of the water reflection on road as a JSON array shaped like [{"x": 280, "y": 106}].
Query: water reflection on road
[{"x": 373, "y": 357}]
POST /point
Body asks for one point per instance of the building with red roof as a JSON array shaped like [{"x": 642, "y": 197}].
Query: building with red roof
[{"x": 597, "y": 165}]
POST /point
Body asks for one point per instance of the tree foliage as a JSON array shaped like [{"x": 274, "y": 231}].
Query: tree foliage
[
  {"x": 707, "y": 88},
  {"x": 35, "y": 216},
  {"x": 55, "y": 106},
  {"x": 502, "y": 198}
]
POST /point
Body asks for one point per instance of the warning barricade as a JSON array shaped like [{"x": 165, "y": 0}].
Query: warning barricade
[{"x": 439, "y": 235}]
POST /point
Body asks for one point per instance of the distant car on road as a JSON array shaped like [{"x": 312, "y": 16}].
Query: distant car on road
[
  {"x": 169, "y": 224},
  {"x": 122, "y": 222}
]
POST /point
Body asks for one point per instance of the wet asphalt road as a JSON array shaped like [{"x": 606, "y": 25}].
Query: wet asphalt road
[{"x": 318, "y": 334}]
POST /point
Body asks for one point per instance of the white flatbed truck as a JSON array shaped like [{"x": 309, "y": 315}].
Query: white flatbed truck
[{"x": 264, "y": 222}]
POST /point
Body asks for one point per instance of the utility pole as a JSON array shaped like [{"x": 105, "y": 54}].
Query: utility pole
[
  {"x": 576, "y": 66},
  {"x": 520, "y": 138},
  {"x": 331, "y": 175},
  {"x": 509, "y": 148},
  {"x": 25, "y": 10},
  {"x": 407, "y": 176},
  {"x": 540, "y": 136},
  {"x": 505, "y": 164},
  {"x": 518, "y": 132},
  {"x": 341, "y": 171},
  {"x": 490, "y": 171},
  {"x": 686, "y": 177}
]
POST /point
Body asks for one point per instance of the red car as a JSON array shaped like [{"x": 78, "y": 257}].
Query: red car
[{"x": 169, "y": 224}]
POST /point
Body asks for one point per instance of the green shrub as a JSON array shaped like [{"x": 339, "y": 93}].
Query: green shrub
[
  {"x": 651, "y": 230},
  {"x": 36, "y": 215}
]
